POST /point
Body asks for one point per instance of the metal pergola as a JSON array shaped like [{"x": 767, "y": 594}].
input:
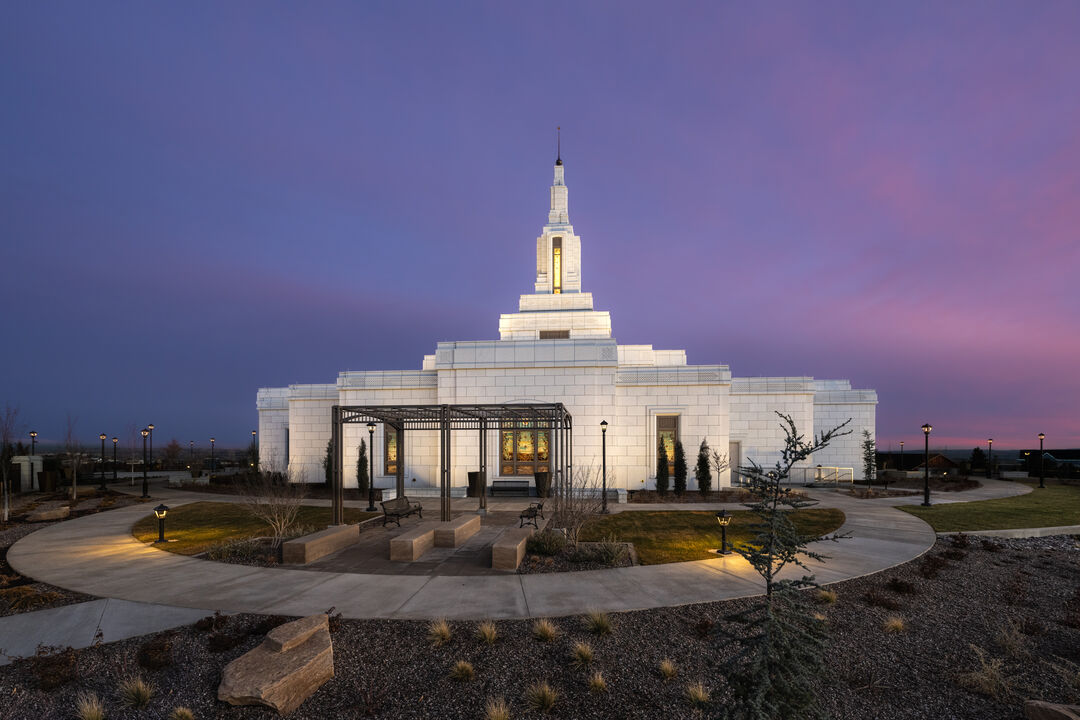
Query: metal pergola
[{"x": 446, "y": 418}]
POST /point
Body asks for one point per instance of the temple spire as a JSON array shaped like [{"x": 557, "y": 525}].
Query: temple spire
[
  {"x": 559, "y": 213},
  {"x": 558, "y": 145}
]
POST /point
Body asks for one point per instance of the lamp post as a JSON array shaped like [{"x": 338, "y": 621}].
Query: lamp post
[
  {"x": 33, "y": 444},
  {"x": 371, "y": 466},
  {"x": 145, "y": 480},
  {"x": 990, "y": 458},
  {"x": 1041, "y": 438},
  {"x": 902, "y": 456},
  {"x": 102, "y": 437},
  {"x": 926, "y": 466},
  {"x": 159, "y": 512},
  {"x": 211, "y": 458},
  {"x": 254, "y": 451},
  {"x": 724, "y": 519},
  {"x": 603, "y": 456},
  {"x": 150, "y": 427},
  {"x": 114, "y": 441}
]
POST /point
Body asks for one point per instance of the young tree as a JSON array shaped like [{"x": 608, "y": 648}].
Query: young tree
[
  {"x": 680, "y": 469},
  {"x": 275, "y": 498},
  {"x": 172, "y": 454},
  {"x": 702, "y": 470},
  {"x": 9, "y": 420},
  {"x": 720, "y": 463},
  {"x": 578, "y": 503},
  {"x": 780, "y": 641},
  {"x": 74, "y": 452},
  {"x": 869, "y": 458},
  {"x": 328, "y": 463},
  {"x": 362, "y": 467},
  {"x": 661, "y": 470}
]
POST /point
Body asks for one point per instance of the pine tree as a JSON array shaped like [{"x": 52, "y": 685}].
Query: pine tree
[
  {"x": 661, "y": 470},
  {"x": 780, "y": 642},
  {"x": 869, "y": 457},
  {"x": 680, "y": 469},
  {"x": 703, "y": 470},
  {"x": 978, "y": 459},
  {"x": 328, "y": 463},
  {"x": 362, "y": 468}
]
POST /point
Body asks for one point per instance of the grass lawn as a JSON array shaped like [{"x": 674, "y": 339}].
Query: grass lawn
[
  {"x": 1052, "y": 506},
  {"x": 674, "y": 536},
  {"x": 197, "y": 527}
]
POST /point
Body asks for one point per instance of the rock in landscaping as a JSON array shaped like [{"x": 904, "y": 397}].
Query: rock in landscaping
[
  {"x": 1039, "y": 710},
  {"x": 292, "y": 663},
  {"x": 53, "y": 513}
]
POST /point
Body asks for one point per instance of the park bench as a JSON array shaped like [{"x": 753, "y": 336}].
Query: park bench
[
  {"x": 510, "y": 487},
  {"x": 400, "y": 507},
  {"x": 528, "y": 515}
]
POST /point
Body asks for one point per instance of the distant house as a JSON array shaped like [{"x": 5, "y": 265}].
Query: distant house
[{"x": 911, "y": 461}]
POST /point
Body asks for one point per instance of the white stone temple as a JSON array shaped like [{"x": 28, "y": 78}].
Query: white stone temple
[{"x": 558, "y": 349}]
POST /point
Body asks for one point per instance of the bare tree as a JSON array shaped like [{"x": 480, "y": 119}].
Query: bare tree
[
  {"x": 275, "y": 498},
  {"x": 578, "y": 502},
  {"x": 74, "y": 452},
  {"x": 9, "y": 419},
  {"x": 720, "y": 463}
]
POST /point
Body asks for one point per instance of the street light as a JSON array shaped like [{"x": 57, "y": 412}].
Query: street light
[
  {"x": 114, "y": 441},
  {"x": 33, "y": 444},
  {"x": 902, "y": 456},
  {"x": 211, "y": 458},
  {"x": 150, "y": 427},
  {"x": 1041, "y": 438},
  {"x": 603, "y": 455},
  {"x": 926, "y": 466},
  {"x": 102, "y": 437},
  {"x": 254, "y": 451},
  {"x": 371, "y": 466},
  {"x": 990, "y": 458},
  {"x": 159, "y": 512},
  {"x": 724, "y": 519},
  {"x": 145, "y": 480}
]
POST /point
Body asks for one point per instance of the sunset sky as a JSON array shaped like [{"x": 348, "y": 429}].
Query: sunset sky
[{"x": 198, "y": 199}]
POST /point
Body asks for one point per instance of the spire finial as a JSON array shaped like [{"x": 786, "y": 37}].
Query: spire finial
[{"x": 558, "y": 145}]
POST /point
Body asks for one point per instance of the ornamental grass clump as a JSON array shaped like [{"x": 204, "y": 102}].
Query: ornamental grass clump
[
  {"x": 181, "y": 713},
  {"x": 462, "y": 671},
  {"x": 582, "y": 654},
  {"x": 136, "y": 692},
  {"x": 893, "y": 625},
  {"x": 667, "y": 669},
  {"x": 487, "y": 633},
  {"x": 88, "y": 706},
  {"x": 541, "y": 697},
  {"x": 496, "y": 709},
  {"x": 825, "y": 597},
  {"x": 697, "y": 695},
  {"x": 988, "y": 678},
  {"x": 597, "y": 684},
  {"x": 544, "y": 630},
  {"x": 439, "y": 632},
  {"x": 598, "y": 623}
]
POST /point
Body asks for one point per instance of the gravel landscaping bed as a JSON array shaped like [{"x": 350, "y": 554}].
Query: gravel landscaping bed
[
  {"x": 956, "y": 596},
  {"x": 585, "y": 559}
]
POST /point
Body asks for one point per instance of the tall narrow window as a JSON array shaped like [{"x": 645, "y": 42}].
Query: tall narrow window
[
  {"x": 556, "y": 265},
  {"x": 667, "y": 432},
  {"x": 523, "y": 449},
  {"x": 390, "y": 450}
]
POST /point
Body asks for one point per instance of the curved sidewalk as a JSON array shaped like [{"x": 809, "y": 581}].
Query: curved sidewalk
[{"x": 98, "y": 555}]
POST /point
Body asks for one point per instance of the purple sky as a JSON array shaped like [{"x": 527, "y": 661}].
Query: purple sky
[{"x": 200, "y": 199}]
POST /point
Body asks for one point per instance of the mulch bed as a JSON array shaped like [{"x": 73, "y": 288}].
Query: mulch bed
[
  {"x": 567, "y": 561},
  {"x": 951, "y": 599},
  {"x": 728, "y": 495}
]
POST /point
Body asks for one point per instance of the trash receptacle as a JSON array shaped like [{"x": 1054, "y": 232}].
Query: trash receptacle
[
  {"x": 543, "y": 483},
  {"x": 476, "y": 484}
]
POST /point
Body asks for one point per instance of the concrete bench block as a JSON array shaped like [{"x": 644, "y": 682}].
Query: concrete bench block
[
  {"x": 309, "y": 548},
  {"x": 409, "y": 546},
  {"x": 509, "y": 548},
  {"x": 457, "y": 531}
]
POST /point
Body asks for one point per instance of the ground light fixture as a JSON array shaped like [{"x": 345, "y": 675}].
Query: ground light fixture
[
  {"x": 926, "y": 428},
  {"x": 145, "y": 480},
  {"x": 114, "y": 441},
  {"x": 1042, "y": 436},
  {"x": 603, "y": 455},
  {"x": 724, "y": 519},
  {"x": 102, "y": 437},
  {"x": 159, "y": 513},
  {"x": 371, "y": 465}
]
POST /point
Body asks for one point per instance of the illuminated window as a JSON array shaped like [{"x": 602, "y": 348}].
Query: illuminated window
[
  {"x": 390, "y": 449},
  {"x": 667, "y": 432},
  {"x": 556, "y": 265},
  {"x": 523, "y": 449}
]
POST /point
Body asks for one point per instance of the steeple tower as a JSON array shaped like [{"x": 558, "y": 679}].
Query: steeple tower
[{"x": 559, "y": 213}]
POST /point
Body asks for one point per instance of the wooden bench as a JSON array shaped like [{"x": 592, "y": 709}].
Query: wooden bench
[
  {"x": 510, "y": 487},
  {"x": 309, "y": 548},
  {"x": 528, "y": 515},
  {"x": 410, "y": 545},
  {"x": 509, "y": 548},
  {"x": 400, "y": 507},
  {"x": 457, "y": 531}
]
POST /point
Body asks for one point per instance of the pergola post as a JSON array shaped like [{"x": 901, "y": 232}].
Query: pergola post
[
  {"x": 483, "y": 466},
  {"x": 553, "y": 454},
  {"x": 444, "y": 490},
  {"x": 336, "y": 491},
  {"x": 401, "y": 460}
]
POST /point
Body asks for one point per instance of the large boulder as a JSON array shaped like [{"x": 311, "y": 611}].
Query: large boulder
[
  {"x": 1040, "y": 710},
  {"x": 45, "y": 514},
  {"x": 292, "y": 663}
]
